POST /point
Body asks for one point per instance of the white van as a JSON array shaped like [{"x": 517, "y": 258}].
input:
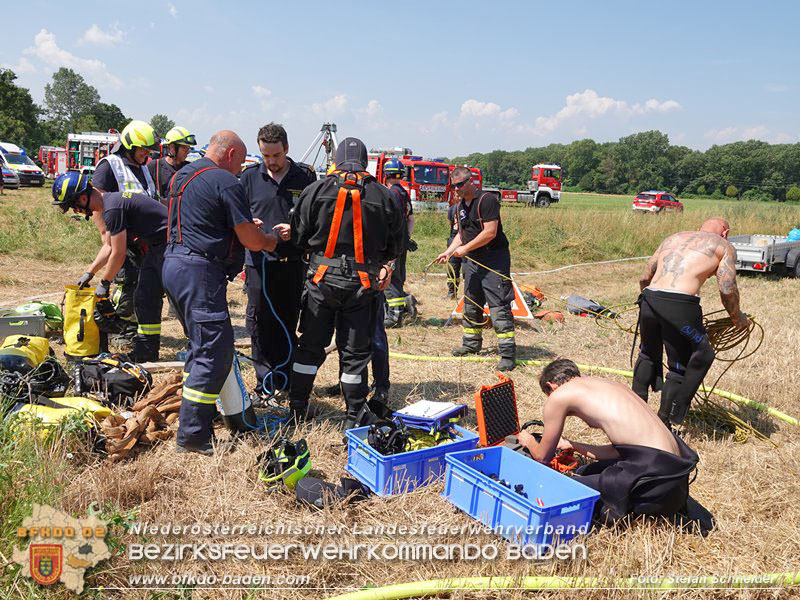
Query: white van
[{"x": 15, "y": 158}]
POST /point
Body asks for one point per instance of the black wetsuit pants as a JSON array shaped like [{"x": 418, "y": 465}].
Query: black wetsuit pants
[{"x": 672, "y": 321}]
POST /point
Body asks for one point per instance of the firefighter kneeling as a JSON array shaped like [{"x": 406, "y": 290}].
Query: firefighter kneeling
[{"x": 352, "y": 228}]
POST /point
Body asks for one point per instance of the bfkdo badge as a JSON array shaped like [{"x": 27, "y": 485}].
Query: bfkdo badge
[{"x": 46, "y": 563}]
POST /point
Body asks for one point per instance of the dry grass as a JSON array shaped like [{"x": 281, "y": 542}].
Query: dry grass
[{"x": 751, "y": 488}]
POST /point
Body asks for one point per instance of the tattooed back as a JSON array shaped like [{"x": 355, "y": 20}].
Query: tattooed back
[{"x": 685, "y": 260}]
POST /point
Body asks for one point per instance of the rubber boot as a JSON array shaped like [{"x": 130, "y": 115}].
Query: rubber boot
[
  {"x": 393, "y": 318},
  {"x": 506, "y": 364}
]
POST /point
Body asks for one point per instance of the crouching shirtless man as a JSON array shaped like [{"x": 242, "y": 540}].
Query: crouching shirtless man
[
  {"x": 644, "y": 470},
  {"x": 670, "y": 316}
]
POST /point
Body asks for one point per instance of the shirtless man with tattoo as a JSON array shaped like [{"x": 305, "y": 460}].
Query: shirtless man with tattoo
[{"x": 670, "y": 316}]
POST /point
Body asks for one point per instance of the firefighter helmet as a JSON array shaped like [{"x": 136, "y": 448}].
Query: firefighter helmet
[
  {"x": 180, "y": 136},
  {"x": 138, "y": 134},
  {"x": 68, "y": 187},
  {"x": 394, "y": 168}
]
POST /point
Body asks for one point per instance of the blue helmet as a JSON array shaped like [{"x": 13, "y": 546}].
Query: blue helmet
[
  {"x": 393, "y": 167},
  {"x": 68, "y": 187}
]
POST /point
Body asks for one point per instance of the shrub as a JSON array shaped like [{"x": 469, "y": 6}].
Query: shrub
[
  {"x": 793, "y": 194},
  {"x": 756, "y": 196},
  {"x": 731, "y": 191}
]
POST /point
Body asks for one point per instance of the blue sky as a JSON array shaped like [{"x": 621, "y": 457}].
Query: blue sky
[{"x": 445, "y": 78}]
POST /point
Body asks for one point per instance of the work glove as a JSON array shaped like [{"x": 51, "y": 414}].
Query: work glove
[
  {"x": 412, "y": 246},
  {"x": 101, "y": 291},
  {"x": 84, "y": 280}
]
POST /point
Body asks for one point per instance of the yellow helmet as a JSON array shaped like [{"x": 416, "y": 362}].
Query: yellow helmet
[
  {"x": 138, "y": 134},
  {"x": 331, "y": 168},
  {"x": 181, "y": 136}
]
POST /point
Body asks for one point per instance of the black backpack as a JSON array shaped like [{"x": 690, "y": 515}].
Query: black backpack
[{"x": 117, "y": 380}]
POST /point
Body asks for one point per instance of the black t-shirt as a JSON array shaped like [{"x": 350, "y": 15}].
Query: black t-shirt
[
  {"x": 138, "y": 214},
  {"x": 104, "y": 179},
  {"x": 161, "y": 172},
  {"x": 403, "y": 202},
  {"x": 451, "y": 218},
  {"x": 213, "y": 204},
  {"x": 271, "y": 202},
  {"x": 483, "y": 208}
]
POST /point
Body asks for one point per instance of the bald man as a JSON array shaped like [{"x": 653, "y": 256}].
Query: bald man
[
  {"x": 670, "y": 316},
  {"x": 209, "y": 223}
]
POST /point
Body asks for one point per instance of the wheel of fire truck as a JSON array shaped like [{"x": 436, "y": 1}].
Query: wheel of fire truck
[{"x": 543, "y": 201}]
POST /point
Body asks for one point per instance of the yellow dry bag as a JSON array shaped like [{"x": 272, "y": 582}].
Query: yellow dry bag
[
  {"x": 81, "y": 335},
  {"x": 23, "y": 353}
]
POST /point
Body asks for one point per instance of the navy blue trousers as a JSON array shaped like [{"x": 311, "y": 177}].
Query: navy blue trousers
[{"x": 197, "y": 287}]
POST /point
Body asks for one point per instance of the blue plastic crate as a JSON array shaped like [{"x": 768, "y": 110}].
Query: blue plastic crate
[
  {"x": 390, "y": 475},
  {"x": 566, "y": 509}
]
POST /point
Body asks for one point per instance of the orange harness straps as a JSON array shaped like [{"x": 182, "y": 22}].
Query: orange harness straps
[{"x": 350, "y": 185}]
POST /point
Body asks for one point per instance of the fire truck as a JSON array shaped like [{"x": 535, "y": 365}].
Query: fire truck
[
  {"x": 85, "y": 150},
  {"x": 54, "y": 160},
  {"x": 544, "y": 187},
  {"x": 427, "y": 180}
]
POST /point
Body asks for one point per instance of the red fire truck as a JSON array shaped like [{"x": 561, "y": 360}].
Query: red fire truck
[
  {"x": 427, "y": 180},
  {"x": 84, "y": 150},
  {"x": 54, "y": 160},
  {"x": 544, "y": 187}
]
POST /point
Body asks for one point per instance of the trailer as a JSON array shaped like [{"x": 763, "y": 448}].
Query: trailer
[{"x": 767, "y": 253}]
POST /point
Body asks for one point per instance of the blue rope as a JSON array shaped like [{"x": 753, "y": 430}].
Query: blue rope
[{"x": 268, "y": 423}]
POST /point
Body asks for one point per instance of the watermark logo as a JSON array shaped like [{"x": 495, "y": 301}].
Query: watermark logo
[{"x": 60, "y": 547}]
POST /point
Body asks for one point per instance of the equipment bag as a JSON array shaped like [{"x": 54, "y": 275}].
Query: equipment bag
[
  {"x": 81, "y": 335},
  {"x": 22, "y": 353},
  {"x": 119, "y": 381}
]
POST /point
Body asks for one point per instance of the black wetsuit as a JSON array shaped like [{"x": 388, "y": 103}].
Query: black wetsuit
[
  {"x": 672, "y": 321},
  {"x": 642, "y": 481}
]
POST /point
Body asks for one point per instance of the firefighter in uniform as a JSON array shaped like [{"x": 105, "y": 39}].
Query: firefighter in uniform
[
  {"x": 124, "y": 170},
  {"x": 272, "y": 189},
  {"x": 396, "y": 300},
  {"x": 119, "y": 217},
  {"x": 209, "y": 222},
  {"x": 351, "y": 227},
  {"x": 179, "y": 143},
  {"x": 480, "y": 236}
]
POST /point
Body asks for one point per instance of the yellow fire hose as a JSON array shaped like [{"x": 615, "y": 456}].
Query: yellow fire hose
[
  {"x": 435, "y": 587},
  {"x": 741, "y": 400}
]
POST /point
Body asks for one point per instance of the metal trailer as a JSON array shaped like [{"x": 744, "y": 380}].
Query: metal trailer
[{"x": 765, "y": 253}]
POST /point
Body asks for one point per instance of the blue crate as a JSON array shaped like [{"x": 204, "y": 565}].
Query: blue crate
[
  {"x": 567, "y": 505},
  {"x": 390, "y": 475}
]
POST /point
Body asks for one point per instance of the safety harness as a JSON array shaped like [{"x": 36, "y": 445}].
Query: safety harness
[
  {"x": 180, "y": 199},
  {"x": 350, "y": 184}
]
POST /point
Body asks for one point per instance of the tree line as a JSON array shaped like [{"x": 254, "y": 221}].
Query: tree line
[
  {"x": 751, "y": 170},
  {"x": 70, "y": 106}
]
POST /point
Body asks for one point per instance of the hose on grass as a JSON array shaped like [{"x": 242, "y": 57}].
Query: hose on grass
[
  {"x": 735, "y": 398},
  {"x": 435, "y": 587}
]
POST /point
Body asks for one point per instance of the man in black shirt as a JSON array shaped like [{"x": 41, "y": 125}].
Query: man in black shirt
[
  {"x": 480, "y": 237},
  {"x": 272, "y": 189},
  {"x": 179, "y": 143},
  {"x": 121, "y": 217},
  {"x": 351, "y": 228}
]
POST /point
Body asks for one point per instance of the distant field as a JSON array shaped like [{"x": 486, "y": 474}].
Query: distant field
[
  {"x": 607, "y": 202},
  {"x": 580, "y": 228}
]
